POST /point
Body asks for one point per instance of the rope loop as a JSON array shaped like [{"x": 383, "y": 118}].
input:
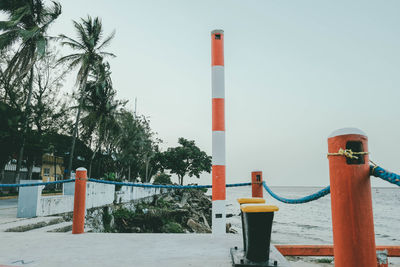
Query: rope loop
[
  {"x": 312, "y": 197},
  {"x": 348, "y": 153},
  {"x": 379, "y": 172}
]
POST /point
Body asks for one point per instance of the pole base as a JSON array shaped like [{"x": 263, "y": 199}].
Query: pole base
[{"x": 275, "y": 259}]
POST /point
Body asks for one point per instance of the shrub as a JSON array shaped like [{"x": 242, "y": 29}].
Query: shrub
[
  {"x": 172, "y": 227},
  {"x": 162, "y": 178}
]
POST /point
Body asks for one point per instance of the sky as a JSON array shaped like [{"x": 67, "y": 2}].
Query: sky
[{"x": 295, "y": 71}]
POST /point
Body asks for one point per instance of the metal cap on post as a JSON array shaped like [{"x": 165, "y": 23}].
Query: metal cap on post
[
  {"x": 352, "y": 218},
  {"x": 78, "y": 221}
]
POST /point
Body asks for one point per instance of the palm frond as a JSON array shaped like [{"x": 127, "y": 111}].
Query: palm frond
[
  {"x": 70, "y": 42},
  {"x": 107, "y": 41},
  {"x": 107, "y": 54}
]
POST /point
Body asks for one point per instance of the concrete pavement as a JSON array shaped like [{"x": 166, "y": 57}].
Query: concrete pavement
[
  {"x": 8, "y": 210},
  {"x": 104, "y": 249},
  {"x": 101, "y": 249}
]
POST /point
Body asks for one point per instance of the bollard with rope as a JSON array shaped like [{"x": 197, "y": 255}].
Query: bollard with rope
[{"x": 351, "y": 200}]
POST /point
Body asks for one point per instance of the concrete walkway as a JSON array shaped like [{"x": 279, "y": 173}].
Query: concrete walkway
[
  {"x": 8, "y": 210},
  {"x": 101, "y": 249}
]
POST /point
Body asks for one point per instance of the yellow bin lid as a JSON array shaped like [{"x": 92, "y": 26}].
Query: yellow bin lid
[
  {"x": 258, "y": 208},
  {"x": 250, "y": 200}
]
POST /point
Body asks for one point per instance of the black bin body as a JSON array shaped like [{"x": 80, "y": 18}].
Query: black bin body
[
  {"x": 252, "y": 200},
  {"x": 257, "y": 229}
]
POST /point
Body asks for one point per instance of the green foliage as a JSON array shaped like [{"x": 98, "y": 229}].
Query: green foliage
[
  {"x": 27, "y": 24},
  {"x": 49, "y": 111},
  {"x": 25, "y": 28},
  {"x": 106, "y": 220},
  {"x": 110, "y": 176},
  {"x": 88, "y": 47},
  {"x": 162, "y": 178},
  {"x": 88, "y": 55},
  {"x": 172, "y": 227},
  {"x": 122, "y": 218},
  {"x": 136, "y": 149},
  {"x": 36, "y": 119},
  {"x": 10, "y": 136},
  {"x": 186, "y": 159},
  {"x": 147, "y": 219},
  {"x": 324, "y": 260},
  {"x": 101, "y": 111}
]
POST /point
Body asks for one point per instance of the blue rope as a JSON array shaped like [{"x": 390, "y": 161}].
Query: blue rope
[
  {"x": 163, "y": 186},
  {"x": 149, "y": 185},
  {"x": 37, "y": 184},
  {"x": 123, "y": 184},
  {"x": 239, "y": 184},
  {"x": 306, "y": 199},
  {"x": 385, "y": 175}
]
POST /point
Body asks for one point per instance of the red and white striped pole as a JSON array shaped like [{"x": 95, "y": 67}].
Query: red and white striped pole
[{"x": 218, "y": 133}]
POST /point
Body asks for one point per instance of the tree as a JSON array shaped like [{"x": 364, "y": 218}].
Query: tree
[
  {"x": 162, "y": 178},
  {"x": 27, "y": 24},
  {"x": 9, "y": 134},
  {"x": 10, "y": 87},
  {"x": 186, "y": 159},
  {"x": 49, "y": 112},
  {"x": 136, "y": 147},
  {"x": 102, "y": 110},
  {"x": 88, "y": 51}
]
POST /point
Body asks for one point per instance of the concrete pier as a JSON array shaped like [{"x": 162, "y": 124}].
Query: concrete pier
[{"x": 102, "y": 249}]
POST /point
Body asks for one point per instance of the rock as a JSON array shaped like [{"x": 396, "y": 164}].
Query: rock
[
  {"x": 184, "y": 211},
  {"x": 168, "y": 198},
  {"x": 185, "y": 198},
  {"x": 205, "y": 221},
  {"x": 229, "y": 229},
  {"x": 197, "y": 227}
]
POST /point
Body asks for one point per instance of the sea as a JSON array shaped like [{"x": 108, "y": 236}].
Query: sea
[{"x": 311, "y": 223}]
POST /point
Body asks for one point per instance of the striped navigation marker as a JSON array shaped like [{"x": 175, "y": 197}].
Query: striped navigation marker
[{"x": 218, "y": 132}]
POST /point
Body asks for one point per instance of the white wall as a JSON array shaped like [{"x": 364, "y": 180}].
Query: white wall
[{"x": 96, "y": 195}]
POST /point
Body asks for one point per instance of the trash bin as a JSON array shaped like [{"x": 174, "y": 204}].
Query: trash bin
[
  {"x": 257, "y": 226},
  {"x": 251, "y": 200}
]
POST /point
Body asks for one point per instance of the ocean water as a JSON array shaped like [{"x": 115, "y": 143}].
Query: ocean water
[{"x": 310, "y": 223}]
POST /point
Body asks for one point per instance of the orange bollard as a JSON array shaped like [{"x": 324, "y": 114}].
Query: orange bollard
[
  {"x": 78, "y": 221},
  {"x": 352, "y": 219},
  {"x": 256, "y": 184}
]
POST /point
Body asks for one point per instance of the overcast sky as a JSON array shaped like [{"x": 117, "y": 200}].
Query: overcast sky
[{"x": 295, "y": 72}]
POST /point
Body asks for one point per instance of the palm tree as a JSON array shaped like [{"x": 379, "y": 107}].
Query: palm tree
[
  {"x": 88, "y": 52},
  {"x": 27, "y": 24},
  {"x": 101, "y": 109}
]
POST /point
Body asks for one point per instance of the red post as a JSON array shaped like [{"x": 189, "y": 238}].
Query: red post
[
  {"x": 352, "y": 219},
  {"x": 256, "y": 184},
  {"x": 78, "y": 221}
]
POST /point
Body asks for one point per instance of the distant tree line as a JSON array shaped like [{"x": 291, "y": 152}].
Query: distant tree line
[{"x": 88, "y": 127}]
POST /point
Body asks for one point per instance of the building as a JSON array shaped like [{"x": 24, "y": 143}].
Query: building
[
  {"x": 8, "y": 176},
  {"x": 52, "y": 168}
]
